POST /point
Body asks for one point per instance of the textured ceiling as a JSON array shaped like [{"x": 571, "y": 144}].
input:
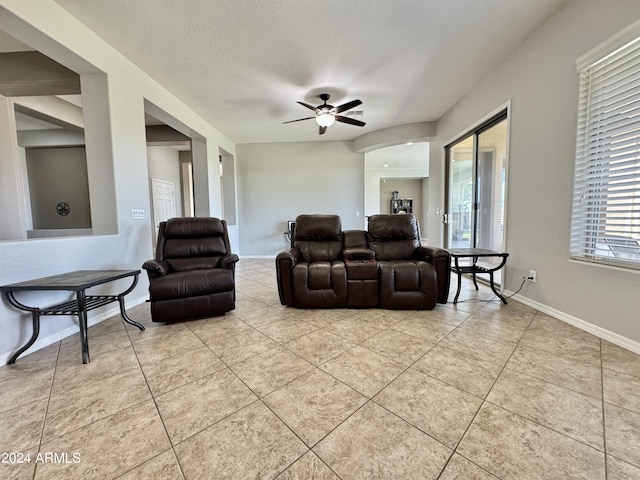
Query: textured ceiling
[{"x": 243, "y": 64}]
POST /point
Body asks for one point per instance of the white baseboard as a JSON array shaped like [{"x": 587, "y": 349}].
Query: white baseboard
[
  {"x": 578, "y": 323},
  {"x": 43, "y": 342}
]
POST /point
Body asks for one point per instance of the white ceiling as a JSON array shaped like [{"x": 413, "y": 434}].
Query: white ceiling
[{"x": 243, "y": 64}]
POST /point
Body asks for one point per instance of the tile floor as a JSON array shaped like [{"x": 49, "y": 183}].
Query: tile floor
[{"x": 477, "y": 391}]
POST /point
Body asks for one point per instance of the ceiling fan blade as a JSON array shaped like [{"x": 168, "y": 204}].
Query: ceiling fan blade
[
  {"x": 348, "y": 106},
  {"x": 322, "y": 130},
  {"x": 299, "y": 120},
  {"x": 352, "y": 121},
  {"x": 310, "y": 107}
]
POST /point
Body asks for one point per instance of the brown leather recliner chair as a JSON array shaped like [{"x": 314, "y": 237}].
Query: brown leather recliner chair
[
  {"x": 312, "y": 274},
  {"x": 411, "y": 276},
  {"x": 193, "y": 274}
]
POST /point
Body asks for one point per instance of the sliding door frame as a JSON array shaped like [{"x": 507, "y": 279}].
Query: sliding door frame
[{"x": 500, "y": 114}]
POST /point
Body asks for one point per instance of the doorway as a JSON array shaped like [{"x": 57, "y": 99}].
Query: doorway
[{"x": 476, "y": 183}]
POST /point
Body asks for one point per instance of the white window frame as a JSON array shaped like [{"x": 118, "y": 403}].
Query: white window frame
[{"x": 605, "y": 225}]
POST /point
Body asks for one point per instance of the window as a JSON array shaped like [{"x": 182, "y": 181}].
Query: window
[{"x": 606, "y": 201}]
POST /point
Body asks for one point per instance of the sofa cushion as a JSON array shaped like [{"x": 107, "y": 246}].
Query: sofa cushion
[
  {"x": 318, "y": 237},
  {"x": 393, "y": 237},
  {"x": 193, "y": 227},
  {"x": 191, "y": 283}
]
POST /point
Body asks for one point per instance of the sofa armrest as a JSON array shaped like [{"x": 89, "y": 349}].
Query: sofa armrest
[
  {"x": 285, "y": 262},
  {"x": 156, "y": 268},
  {"x": 441, "y": 260},
  {"x": 229, "y": 261}
]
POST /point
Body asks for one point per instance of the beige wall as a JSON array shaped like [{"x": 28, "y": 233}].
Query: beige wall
[{"x": 279, "y": 181}]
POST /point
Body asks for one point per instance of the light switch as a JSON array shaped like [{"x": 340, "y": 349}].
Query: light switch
[{"x": 137, "y": 214}]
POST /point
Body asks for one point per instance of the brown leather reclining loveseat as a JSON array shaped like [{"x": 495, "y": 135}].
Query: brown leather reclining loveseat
[{"x": 384, "y": 266}]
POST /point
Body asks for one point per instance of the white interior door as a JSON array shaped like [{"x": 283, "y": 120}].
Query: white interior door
[{"x": 164, "y": 201}]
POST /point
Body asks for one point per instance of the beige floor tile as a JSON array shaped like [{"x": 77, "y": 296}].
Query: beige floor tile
[
  {"x": 108, "y": 447},
  {"x": 162, "y": 467},
  {"x": 480, "y": 346},
  {"x": 565, "y": 371},
  {"x": 464, "y": 305},
  {"x": 173, "y": 372},
  {"x": 160, "y": 347},
  {"x": 252, "y": 443},
  {"x": 353, "y": 330},
  {"x": 363, "y": 370},
  {"x": 21, "y": 427},
  {"x": 29, "y": 379},
  {"x": 462, "y": 371},
  {"x": 547, "y": 323},
  {"x": 380, "y": 318},
  {"x": 99, "y": 345},
  {"x": 73, "y": 409},
  {"x": 245, "y": 303},
  {"x": 398, "y": 346},
  {"x": 438, "y": 409},
  {"x": 513, "y": 310},
  {"x": 270, "y": 370},
  {"x": 210, "y": 329},
  {"x": 498, "y": 328},
  {"x": 424, "y": 329},
  {"x": 308, "y": 467},
  {"x": 74, "y": 374},
  {"x": 441, "y": 314},
  {"x": 510, "y": 446},
  {"x": 621, "y": 389},
  {"x": 322, "y": 317},
  {"x": 622, "y": 433},
  {"x": 459, "y": 468},
  {"x": 195, "y": 406},
  {"x": 156, "y": 331},
  {"x": 20, "y": 467},
  {"x": 283, "y": 331},
  {"x": 573, "y": 414},
  {"x": 619, "y": 359},
  {"x": 562, "y": 344},
  {"x": 319, "y": 346},
  {"x": 262, "y": 316},
  {"x": 508, "y": 313},
  {"x": 619, "y": 470},
  {"x": 314, "y": 404},
  {"x": 110, "y": 325},
  {"x": 375, "y": 444},
  {"x": 238, "y": 348}
]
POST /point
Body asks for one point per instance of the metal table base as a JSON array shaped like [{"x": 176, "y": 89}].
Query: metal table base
[{"x": 77, "y": 282}]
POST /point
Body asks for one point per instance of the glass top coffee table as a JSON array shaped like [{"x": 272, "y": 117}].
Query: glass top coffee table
[
  {"x": 78, "y": 282},
  {"x": 475, "y": 254}
]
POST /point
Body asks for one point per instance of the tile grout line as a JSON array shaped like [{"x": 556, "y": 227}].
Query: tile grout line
[
  {"x": 46, "y": 413},
  {"x": 604, "y": 423}
]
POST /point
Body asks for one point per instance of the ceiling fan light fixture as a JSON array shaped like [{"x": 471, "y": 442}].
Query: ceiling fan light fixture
[{"x": 325, "y": 119}]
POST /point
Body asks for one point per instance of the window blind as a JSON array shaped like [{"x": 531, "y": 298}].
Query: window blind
[{"x": 606, "y": 202}]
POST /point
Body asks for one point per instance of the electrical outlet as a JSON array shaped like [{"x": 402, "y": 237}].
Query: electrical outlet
[{"x": 532, "y": 276}]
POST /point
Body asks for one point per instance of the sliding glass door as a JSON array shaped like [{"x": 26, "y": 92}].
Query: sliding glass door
[{"x": 476, "y": 185}]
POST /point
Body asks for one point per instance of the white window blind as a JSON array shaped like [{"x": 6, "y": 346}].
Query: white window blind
[{"x": 606, "y": 202}]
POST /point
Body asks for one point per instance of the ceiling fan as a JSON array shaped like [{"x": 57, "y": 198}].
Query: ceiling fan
[{"x": 327, "y": 114}]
